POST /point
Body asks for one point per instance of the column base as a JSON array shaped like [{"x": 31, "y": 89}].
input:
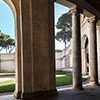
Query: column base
[
  {"x": 45, "y": 93},
  {"x": 29, "y": 96},
  {"x": 26, "y": 96},
  {"x": 78, "y": 88},
  {"x": 17, "y": 94},
  {"x": 94, "y": 83}
]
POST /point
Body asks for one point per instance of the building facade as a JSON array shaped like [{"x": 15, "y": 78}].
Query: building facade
[{"x": 64, "y": 58}]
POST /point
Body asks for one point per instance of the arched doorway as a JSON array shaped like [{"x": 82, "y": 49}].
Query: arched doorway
[
  {"x": 15, "y": 8},
  {"x": 85, "y": 56}
]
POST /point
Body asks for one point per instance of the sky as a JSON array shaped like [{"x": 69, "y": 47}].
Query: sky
[
  {"x": 59, "y": 10},
  {"x": 7, "y": 20}
]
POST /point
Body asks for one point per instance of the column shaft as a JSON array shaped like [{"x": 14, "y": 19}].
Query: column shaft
[
  {"x": 44, "y": 81},
  {"x": 93, "y": 52},
  {"x": 98, "y": 53},
  {"x": 76, "y": 49}
]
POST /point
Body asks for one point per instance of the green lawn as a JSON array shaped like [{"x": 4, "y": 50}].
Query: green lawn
[
  {"x": 61, "y": 80},
  {"x": 7, "y": 86},
  {"x": 7, "y": 74},
  {"x": 64, "y": 79}
]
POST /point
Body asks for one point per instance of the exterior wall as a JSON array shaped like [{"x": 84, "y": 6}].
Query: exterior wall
[
  {"x": 59, "y": 60},
  {"x": 63, "y": 59},
  {"x": 85, "y": 28},
  {"x": 7, "y": 62}
]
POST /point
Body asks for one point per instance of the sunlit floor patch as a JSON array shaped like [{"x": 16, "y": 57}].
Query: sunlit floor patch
[{"x": 60, "y": 75}]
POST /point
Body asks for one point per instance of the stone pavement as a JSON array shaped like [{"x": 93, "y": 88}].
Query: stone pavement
[
  {"x": 89, "y": 93},
  {"x": 66, "y": 93},
  {"x": 7, "y": 97}
]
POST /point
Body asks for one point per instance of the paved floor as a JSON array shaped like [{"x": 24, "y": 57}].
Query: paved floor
[
  {"x": 89, "y": 93},
  {"x": 7, "y": 97},
  {"x": 66, "y": 93}
]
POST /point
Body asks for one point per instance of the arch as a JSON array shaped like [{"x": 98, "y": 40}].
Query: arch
[
  {"x": 15, "y": 8},
  {"x": 11, "y": 5},
  {"x": 84, "y": 53},
  {"x": 84, "y": 41}
]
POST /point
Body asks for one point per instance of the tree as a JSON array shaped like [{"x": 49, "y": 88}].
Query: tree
[
  {"x": 65, "y": 25},
  {"x": 64, "y": 36},
  {"x": 6, "y": 42}
]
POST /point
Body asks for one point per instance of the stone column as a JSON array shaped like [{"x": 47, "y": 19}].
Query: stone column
[
  {"x": 44, "y": 81},
  {"x": 76, "y": 48},
  {"x": 38, "y": 50},
  {"x": 93, "y": 51},
  {"x": 98, "y": 49},
  {"x": 84, "y": 61}
]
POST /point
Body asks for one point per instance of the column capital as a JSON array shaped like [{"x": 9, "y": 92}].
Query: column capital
[
  {"x": 98, "y": 27},
  {"x": 92, "y": 19},
  {"x": 75, "y": 9}
]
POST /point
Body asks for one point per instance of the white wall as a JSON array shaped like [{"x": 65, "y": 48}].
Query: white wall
[
  {"x": 63, "y": 59},
  {"x": 7, "y": 62}
]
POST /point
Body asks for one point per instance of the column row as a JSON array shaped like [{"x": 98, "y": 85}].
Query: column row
[{"x": 76, "y": 49}]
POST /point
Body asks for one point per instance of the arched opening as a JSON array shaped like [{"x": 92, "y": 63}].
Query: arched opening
[
  {"x": 8, "y": 33},
  {"x": 66, "y": 55},
  {"x": 63, "y": 43},
  {"x": 85, "y": 55}
]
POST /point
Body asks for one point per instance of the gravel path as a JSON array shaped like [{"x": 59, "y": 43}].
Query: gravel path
[{"x": 6, "y": 78}]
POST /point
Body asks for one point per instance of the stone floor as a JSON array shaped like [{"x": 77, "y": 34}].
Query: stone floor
[
  {"x": 89, "y": 93},
  {"x": 66, "y": 93}
]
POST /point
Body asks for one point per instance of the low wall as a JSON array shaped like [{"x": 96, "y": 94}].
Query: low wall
[{"x": 7, "y": 62}]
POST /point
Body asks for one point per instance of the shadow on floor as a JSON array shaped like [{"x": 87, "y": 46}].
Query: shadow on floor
[{"x": 89, "y": 93}]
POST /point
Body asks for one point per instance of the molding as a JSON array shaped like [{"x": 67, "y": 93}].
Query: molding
[
  {"x": 75, "y": 9},
  {"x": 92, "y": 19},
  {"x": 84, "y": 22},
  {"x": 17, "y": 94}
]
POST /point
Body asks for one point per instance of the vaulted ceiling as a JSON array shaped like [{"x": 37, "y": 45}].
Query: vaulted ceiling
[{"x": 94, "y": 3}]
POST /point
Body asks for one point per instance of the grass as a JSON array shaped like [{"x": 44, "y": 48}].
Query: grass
[
  {"x": 7, "y": 86},
  {"x": 7, "y": 74},
  {"x": 61, "y": 79}
]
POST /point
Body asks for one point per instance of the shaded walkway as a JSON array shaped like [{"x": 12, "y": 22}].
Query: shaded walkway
[
  {"x": 89, "y": 93},
  {"x": 65, "y": 92}
]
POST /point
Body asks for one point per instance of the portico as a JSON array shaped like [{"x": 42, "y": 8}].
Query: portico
[{"x": 34, "y": 22}]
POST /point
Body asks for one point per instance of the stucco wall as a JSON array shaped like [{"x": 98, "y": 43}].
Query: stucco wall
[
  {"x": 7, "y": 62},
  {"x": 64, "y": 58}
]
